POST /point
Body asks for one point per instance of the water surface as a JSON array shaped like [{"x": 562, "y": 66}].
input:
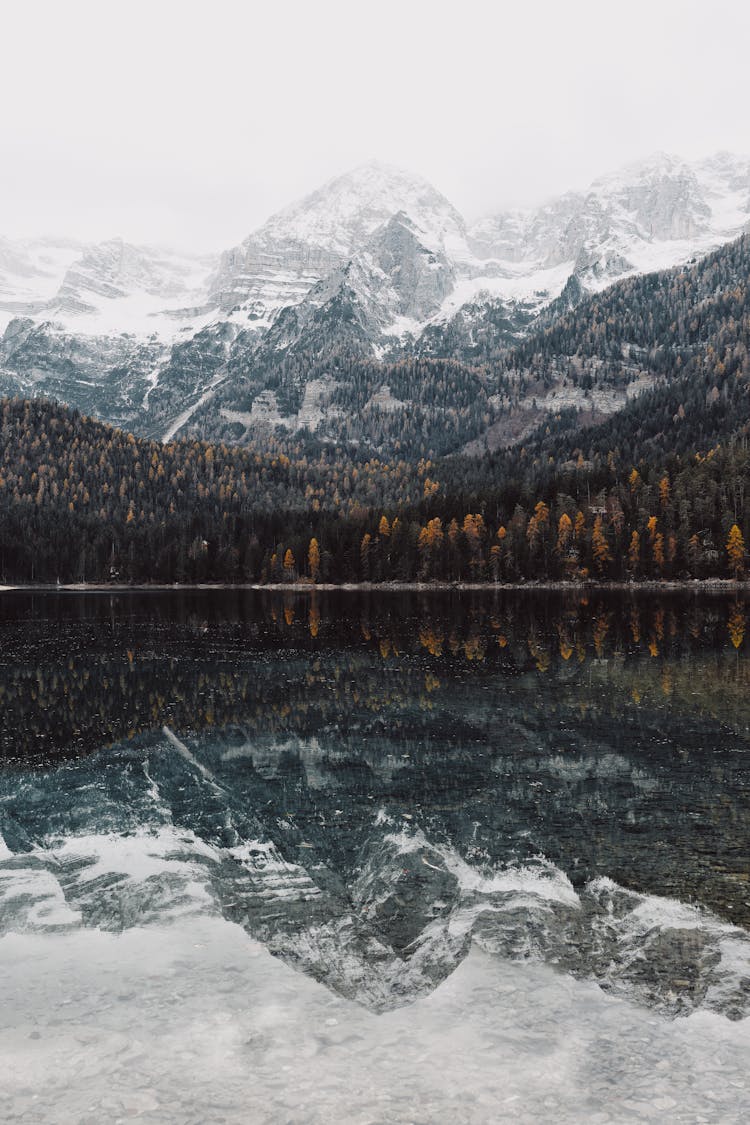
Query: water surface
[{"x": 330, "y": 820}]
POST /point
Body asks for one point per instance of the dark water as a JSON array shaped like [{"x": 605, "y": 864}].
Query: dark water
[
  {"x": 390, "y": 751},
  {"x": 383, "y": 858}
]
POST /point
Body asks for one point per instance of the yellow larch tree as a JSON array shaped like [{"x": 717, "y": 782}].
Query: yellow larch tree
[
  {"x": 564, "y": 532},
  {"x": 313, "y": 559},
  {"x": 599, "y": 545},
  {"x": 736, "y": 550}
]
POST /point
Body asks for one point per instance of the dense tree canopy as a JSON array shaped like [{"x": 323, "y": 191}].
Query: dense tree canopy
[{"x": 81, "y": 501}]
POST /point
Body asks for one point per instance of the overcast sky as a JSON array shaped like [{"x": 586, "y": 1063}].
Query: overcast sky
[{"x": 188, "y": 123}]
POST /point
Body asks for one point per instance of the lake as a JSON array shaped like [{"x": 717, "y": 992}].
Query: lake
[{"x": 374, "y": 857}]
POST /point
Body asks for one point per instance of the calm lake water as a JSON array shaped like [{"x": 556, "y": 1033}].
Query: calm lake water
[{"x": 374, "y": 858}]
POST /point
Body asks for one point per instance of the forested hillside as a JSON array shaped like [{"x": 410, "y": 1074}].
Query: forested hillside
[
  {"x": 80, "y": 501},
  {"x": 664, "y": 320},
  {"x": 656, "y": 490},
  {"x": 677, "y": 337},
  {"x": 408, "y": 407},
  {"x": 663, "y": 344}
]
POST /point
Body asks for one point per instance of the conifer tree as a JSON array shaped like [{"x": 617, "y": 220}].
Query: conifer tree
[
  {"x": 736, "y": 551},
  {"x": 599, "y": 545},
  {"x": 313, "y": 559}
]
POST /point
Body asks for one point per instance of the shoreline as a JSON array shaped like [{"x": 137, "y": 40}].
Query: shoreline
[{"x": 686, "y": 585}]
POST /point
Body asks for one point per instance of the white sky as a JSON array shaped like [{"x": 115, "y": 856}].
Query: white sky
[{"x": 188, "y": 123}]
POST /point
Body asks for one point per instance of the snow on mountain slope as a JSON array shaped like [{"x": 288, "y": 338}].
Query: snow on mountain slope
[
  {"x": 300, "y": 245},
  {"x": 397, "y": 281},
  {"x": 101, "y": 289},
  {"x": 341, "y": 215},
  {"x": 370, "y": 258},
  {"x": 31, "y": 272},
  {"x": 651, "y": 215},
  {"x": 115, "y": 286},
  {"x": 113, "y": 269}
]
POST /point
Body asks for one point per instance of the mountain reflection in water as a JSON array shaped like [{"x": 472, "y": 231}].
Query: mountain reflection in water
[{"x": 368, "y": 783}]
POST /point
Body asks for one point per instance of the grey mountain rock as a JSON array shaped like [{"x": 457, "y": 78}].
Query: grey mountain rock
[
  {"x": 115, "y": 269},
  {"x": 300, "y": 245},
  {"x": 374, "y": 264}
]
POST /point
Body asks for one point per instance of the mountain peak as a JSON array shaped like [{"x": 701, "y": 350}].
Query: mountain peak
[
  {"x": 659, "y": 165},
  {"x": 345, "y": 211},
  {"x": 321, "y": 232},
  {"x": 380, "y": 174}
]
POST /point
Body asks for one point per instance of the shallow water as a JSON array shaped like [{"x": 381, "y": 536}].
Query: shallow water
[{"x": 373, "y": 858}]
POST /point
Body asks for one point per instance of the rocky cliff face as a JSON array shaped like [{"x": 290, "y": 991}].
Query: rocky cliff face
[
  {"x": 31, "y": 271},
  {"x": 407, "y": 271},
  {"x": 105, "y": 375},
  {"x": 278, "y": 264},
  {"x": 650, "y": 215},
  {"x": 115, "y": 270},
  {"x": 376, "y": 262}
]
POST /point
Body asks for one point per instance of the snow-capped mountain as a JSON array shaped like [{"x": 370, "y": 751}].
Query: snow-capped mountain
[
  {"x": 387, "y": 223},
  {"x": 106, "y": 287},
  {"x": 32, "y": 270},
  {"x": 304, "y": 243},
  {"x": 91, "y": 324},
  {"x": 650, "y": 215},
  {"x": 411, "y": 261},
  {"x": 375, "y": 261},
  {"x": 114, "y": 280}
]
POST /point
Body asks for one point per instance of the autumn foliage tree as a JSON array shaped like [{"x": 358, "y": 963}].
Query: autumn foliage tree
[
  {"x": 313, "y": 559},
  {"x": 80, "y": 501},
  {"x": 430, "y": 543},
  {"x": 736, "y": 551},
  {"x": 599, "y": 545}
]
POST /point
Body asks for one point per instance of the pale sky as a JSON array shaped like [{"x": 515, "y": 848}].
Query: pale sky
[{"x": 187, "y": 123}]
